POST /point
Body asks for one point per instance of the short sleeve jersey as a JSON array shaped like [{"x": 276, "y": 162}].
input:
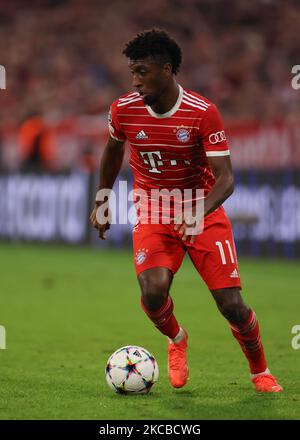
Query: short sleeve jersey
[{"x": 170, "y": 150}]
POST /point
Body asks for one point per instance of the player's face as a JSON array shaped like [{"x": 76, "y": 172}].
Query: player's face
[{"x": 149, "y": 79}]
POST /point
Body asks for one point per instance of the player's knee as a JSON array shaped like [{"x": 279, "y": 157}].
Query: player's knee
[
  {"x": 154, "y": 295},
  {"x": 154, "y": 291},
  {"x": 231, "y": 305},
  {"x": 235, "y": 313}
]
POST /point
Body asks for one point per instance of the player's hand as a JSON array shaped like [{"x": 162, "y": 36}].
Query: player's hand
[
  {"x": 101, "y": 227},
  {"x": 188, "y": 227}
]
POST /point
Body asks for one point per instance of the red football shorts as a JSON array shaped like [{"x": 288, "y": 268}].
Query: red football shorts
[{"x": 213, "y": 253}]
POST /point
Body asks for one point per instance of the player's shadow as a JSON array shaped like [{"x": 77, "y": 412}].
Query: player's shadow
[{"x": 252, "y": 406}]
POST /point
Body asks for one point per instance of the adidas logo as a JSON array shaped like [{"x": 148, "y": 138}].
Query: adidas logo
[
  {"x": 234, "y": 274},
  {"x": 141, "y": 135},
  {"x": 137, "y": 353}
]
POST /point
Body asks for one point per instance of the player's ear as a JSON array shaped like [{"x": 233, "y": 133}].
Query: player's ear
[{"x": 167, "y": 67}]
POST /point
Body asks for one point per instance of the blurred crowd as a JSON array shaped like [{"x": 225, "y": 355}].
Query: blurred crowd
[{"x": 63, "y": 58}]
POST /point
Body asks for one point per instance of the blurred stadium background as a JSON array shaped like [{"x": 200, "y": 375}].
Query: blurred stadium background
[{"x": 64, "y": 67}]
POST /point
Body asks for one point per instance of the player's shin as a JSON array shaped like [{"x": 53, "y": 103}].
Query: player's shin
[
  {"x": 163, "y": 318},
  {"x": 248, "y": 336}
]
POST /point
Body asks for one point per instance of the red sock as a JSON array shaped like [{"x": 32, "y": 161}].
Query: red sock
[
  {"x": 248, "y": 336},
  {"x": 163, "y": 318}
]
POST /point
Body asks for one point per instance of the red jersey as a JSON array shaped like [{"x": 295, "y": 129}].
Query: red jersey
[{"x": 170, "y": 150}]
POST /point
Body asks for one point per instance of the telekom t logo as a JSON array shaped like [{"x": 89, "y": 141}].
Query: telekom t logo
[
  {"x": 151, "y": 161},
  {"x": 2, "y": 78},
  {"x": 154, "y": 163}
]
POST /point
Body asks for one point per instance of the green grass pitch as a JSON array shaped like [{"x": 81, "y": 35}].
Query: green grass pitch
[{"x": 66, "y": 309}]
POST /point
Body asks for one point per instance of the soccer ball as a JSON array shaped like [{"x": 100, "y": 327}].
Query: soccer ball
[{"x": 131, "y": 370}]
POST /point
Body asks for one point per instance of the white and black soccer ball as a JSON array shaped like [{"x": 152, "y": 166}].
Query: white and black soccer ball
[{"x": 131, "y": 370}]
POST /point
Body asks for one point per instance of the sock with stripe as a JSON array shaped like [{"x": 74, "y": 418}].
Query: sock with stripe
[
  {"x": 248, "y": 336},
  {"x": 164, "y": 319}
]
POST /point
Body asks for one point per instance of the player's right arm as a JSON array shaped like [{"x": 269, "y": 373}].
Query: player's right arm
[{"x": 110, "y": 166}]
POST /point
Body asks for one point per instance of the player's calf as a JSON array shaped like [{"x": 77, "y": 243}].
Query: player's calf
[
  {"x": 156, "y": 302},
  {"x": 245, "y": 329},
  {"x": 230, "y": 303}
]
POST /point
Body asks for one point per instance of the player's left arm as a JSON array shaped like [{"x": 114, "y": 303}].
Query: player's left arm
[
  {"x": 217, "y": 153},
  {"x": 221, "y": 190},
  {"x": 224, "y": 184},
  {"x": 213, "y": 139}
]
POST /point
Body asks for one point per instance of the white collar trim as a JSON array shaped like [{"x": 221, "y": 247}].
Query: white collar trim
[{"x": 173, "y": 109}]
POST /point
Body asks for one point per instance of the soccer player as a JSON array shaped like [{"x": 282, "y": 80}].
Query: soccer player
[{"x": 177, "y": 140}]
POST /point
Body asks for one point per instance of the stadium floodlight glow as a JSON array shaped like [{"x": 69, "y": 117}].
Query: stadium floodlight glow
[{"x": 2, "y": 78}]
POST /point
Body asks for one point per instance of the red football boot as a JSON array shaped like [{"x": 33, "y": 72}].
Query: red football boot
[
  {"x": 266, "y": 383},
  {"x": 177, "y": 364}
]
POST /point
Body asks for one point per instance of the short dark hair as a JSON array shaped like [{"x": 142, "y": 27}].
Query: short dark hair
[{"x": 156, "y": 43}]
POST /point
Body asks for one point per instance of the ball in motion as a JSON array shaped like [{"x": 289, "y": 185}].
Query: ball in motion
[{"x": 131, "y": 370}]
